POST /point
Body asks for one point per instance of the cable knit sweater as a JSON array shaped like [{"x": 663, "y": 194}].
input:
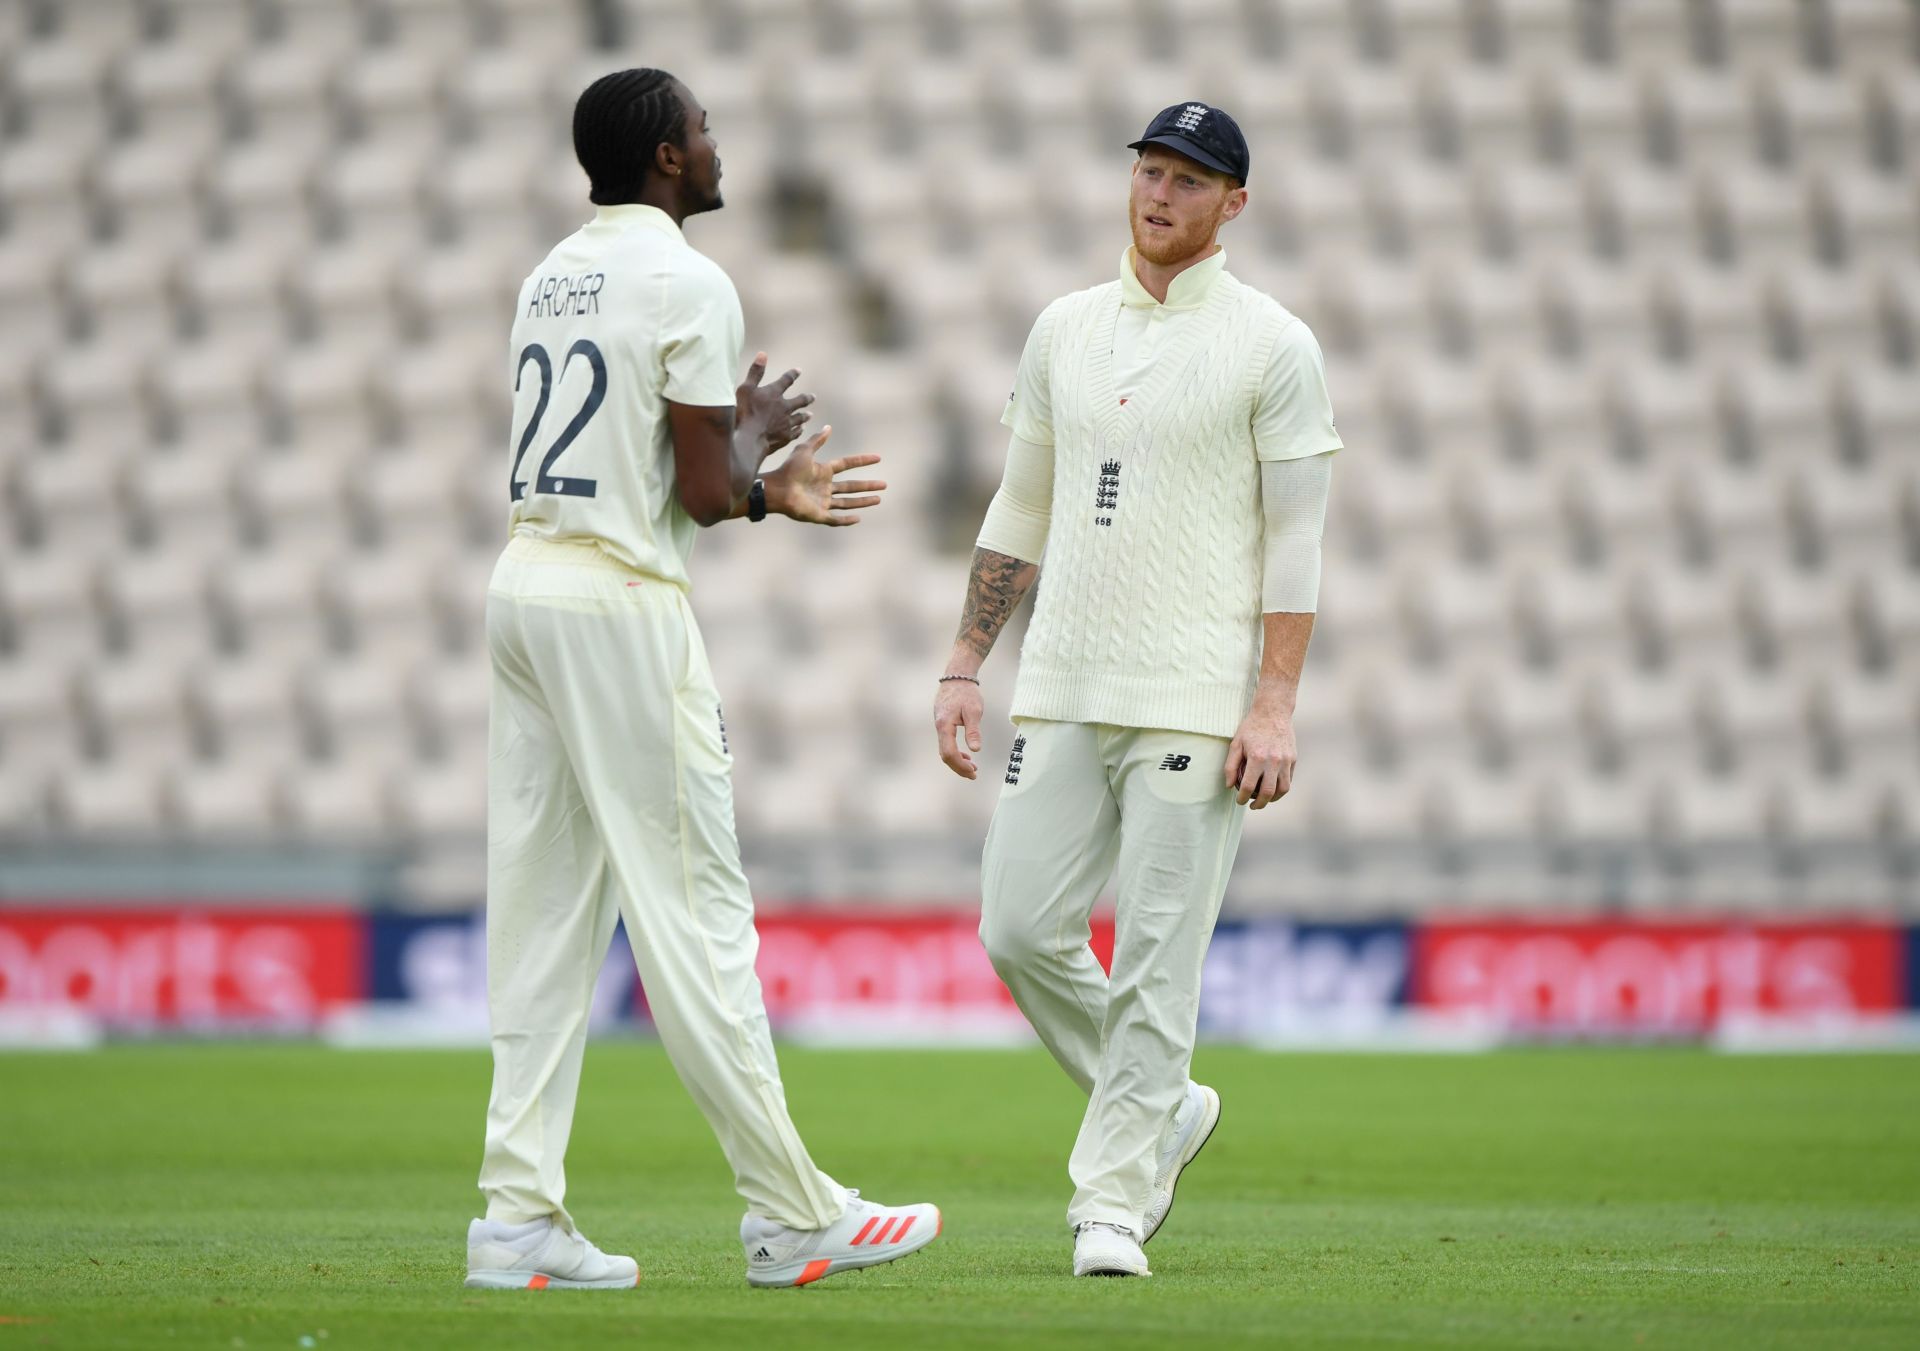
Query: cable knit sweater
[{"x": 1148, "y": 611}]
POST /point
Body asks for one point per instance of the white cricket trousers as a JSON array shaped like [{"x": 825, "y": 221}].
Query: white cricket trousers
[
  {"x": 1077, "y": 798},
  {"x": 609, "y": 796}
]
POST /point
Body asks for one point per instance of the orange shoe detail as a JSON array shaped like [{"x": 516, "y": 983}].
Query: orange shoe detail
[
  {"x": 939, "y": 1224},
  {"x": 538, "y": 1283},
  {"x": 903, "y": 1228},
  {"x": 881, "y": 1237},
  {"x": 814, "y": 1271},
  {"x": 865, "y": 1229}
]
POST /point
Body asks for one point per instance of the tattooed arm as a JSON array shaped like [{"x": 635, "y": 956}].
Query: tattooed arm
[{"x": 995, "y": 587}]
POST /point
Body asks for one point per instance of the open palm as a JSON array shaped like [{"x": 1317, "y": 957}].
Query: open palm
[{"x": 812, "y": 490}]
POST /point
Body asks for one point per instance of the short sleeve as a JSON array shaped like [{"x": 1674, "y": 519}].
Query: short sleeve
[
  {"x": 701, "y": 335},
  {"x": 1293, "y": 415},
  {"x": 1029, "y": 410}
]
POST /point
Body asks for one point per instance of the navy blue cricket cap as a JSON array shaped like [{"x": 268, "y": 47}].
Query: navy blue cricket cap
[{"x": 1200, "y": 133}]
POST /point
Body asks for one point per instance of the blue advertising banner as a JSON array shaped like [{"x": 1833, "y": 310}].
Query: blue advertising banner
[
  {"x": 1274, "y": 977},
  {"x": 438, "y": 964}
]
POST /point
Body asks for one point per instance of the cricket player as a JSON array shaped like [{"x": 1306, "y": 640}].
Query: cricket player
[
  {"x": 610, "y": 788},
  {"x": 1170, "y": 457}
]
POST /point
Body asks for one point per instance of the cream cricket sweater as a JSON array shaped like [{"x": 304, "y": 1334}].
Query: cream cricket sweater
[{"x": 1148, "y": 609}]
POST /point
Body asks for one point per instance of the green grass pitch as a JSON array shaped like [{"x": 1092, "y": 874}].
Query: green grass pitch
[{"x": 261, "y": 1196}]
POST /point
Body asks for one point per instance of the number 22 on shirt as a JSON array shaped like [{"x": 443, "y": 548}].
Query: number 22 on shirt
[{"x": 546, "y": 481}]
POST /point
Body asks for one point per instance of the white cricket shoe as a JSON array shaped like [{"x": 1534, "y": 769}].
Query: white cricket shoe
[
  {"x": 866, "y": 1235},
  {"x": 1192, "y": 1125},
  {"x": 540, "y": 1255},
  {"x": 1107, "y": 1250}
]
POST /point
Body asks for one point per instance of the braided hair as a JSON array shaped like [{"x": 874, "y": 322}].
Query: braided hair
[{"x": 618, "y": 123}]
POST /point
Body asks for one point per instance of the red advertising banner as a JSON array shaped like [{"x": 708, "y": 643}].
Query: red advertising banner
[
  {"x": 1653, "y": 977},
  {"x": 908, "y": 965},
  {"x": 169, "y": 967}
]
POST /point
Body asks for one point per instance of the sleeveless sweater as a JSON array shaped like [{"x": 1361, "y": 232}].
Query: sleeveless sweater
[{"x": 1148, "y": 607}]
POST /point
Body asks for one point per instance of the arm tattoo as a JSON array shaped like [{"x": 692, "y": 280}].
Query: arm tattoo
[{"x": 995, "y": 587}]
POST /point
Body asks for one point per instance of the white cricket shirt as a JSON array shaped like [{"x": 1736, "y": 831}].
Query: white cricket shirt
[
  {"x": 1149, "y": 608},
  {"x": 621, "y": 318},
  {"x": 1292, "y": 416}
]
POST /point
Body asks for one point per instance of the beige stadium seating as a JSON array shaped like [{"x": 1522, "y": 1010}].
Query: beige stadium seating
[{"x": 1621, "y": 306}]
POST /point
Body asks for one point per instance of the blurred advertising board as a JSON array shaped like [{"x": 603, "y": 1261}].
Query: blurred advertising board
[
  {"x": 432, "y": 970},
  {"x": 1653, "y": 977},
  {"x": 838, "y": 974},
  {"x": 865, "y": 975},
  {"x": 183, "y": 967},
  {"x": 1268, "y": 980},
  {"x": 879, "y": 976}
]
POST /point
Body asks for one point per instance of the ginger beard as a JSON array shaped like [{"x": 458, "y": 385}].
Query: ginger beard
[{"x": 1190, "y": 226}]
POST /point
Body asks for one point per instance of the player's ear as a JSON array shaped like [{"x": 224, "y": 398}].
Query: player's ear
[
  {"x": 1236, "y": 203},
  {"x": 669, "y": 159}
]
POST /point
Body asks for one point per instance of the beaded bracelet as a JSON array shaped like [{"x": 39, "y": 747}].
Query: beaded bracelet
[{"x": 944, "y": 679}]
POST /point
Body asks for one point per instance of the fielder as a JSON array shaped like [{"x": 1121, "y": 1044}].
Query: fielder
[
  {"x": 610, "y": 788},
  {"x": 1171, "y": 454}
]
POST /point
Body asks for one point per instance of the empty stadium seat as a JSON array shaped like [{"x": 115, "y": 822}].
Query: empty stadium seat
[
  {"x": 245, "y": 713},
  {"x": 222, "y": 804},
  {"x": 442, "y": 802},
  {"x": 217, "y": 28},
  {"x": 157, "y": 608},
  {"x": 340, "y": 804},
  {"x": 109, "y": 800},
  {"x": 269, "y": 604},
  {"x": 135, "y": 709},
  {"x": 49, "y": 606},
  {"x": 58, "y": 89},
  {"x": 39, "y": 730},
  {"x": 165, "y": 87}
]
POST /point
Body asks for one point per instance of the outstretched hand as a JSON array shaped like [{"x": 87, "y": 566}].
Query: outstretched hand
[
  {"x": 779, "y": 415},
  {"x": 810, "y": 489}
]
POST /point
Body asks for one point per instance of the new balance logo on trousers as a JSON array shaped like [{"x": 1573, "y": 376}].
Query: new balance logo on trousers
[{"x": 1176, "y": 762}]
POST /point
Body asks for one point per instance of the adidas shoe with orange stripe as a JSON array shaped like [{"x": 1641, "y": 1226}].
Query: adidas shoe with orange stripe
[
  {"x": 866, "y": 1235},
  {"x": 541, "y": 1255}
]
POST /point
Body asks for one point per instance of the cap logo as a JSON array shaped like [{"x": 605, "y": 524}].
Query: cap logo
[{"x": 1189, "y": 119}]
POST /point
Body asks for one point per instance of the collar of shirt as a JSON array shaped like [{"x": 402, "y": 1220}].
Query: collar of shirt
[
  {"x": 637, "y": 213},
  {"x": 1186, "y": 292}
]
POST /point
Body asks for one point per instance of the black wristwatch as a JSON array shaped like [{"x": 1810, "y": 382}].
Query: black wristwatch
[{"x": 757, "y": 500}]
